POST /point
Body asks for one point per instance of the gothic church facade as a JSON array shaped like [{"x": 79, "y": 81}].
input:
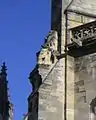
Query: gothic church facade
[{"x": 64, "y": 79}]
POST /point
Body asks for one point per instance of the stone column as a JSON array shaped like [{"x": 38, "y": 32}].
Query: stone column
[{"x": 70, "y": 88}]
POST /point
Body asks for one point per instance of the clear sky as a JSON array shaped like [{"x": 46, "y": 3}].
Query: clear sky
[{"x": 23, "y": 26}]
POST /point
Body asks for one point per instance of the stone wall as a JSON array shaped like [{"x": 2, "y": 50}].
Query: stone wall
[
  {"x": 81, "y": 90},
  {"x": 85, "y": 85},
  {"x": 51, "y": 94}
]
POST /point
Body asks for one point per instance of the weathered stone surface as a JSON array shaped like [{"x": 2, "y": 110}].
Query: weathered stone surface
[
  {"x": 51, "y": 96},
  {"x": 86, "y": 85},
  {"x": 81, "y": 89},
  {"x": 84, "y": 6}
]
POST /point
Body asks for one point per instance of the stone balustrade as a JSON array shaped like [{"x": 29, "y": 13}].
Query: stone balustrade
[{"x": 82, "y": 32}]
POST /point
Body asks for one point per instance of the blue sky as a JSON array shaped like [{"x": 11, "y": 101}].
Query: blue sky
[{"x": 23, "y": 26}]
